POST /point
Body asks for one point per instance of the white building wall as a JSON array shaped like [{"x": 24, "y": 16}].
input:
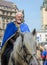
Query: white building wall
[{"x": 42, "y": 36}]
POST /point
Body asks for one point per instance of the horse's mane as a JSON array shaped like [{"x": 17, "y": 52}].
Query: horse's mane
[
  {"x": 26, "y": 39},
  {"x": 17, "y": 42}
]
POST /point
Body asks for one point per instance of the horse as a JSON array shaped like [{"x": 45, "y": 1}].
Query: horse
[{"x": 24, "y": 51}]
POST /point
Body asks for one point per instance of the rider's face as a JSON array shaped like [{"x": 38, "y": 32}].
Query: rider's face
[{"x": 19, "y": 18}]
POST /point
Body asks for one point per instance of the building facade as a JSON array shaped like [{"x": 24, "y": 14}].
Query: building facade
[
  {"x": 42, "y": 33},
  {"x": 44, "y": 15},
  {"x": 42, "y": 37},
  {"x": 7, "y": 14}
]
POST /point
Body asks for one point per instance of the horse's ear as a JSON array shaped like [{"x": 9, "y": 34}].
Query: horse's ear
[{"x": 34, "y": 32}]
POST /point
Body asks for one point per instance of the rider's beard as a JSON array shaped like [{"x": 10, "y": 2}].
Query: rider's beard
[{"x": 19, "y": 21}]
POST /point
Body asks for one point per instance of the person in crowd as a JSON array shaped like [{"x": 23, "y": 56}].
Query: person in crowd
[
  {"x": 39, "y": 52},
  {"x": 44, "y": 55}
]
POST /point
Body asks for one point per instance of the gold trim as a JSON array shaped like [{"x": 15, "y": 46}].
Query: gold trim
[{"x": 3, "y": 48}]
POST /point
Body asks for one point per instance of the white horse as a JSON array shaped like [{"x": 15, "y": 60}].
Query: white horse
[{"x": 24, "y": 51}]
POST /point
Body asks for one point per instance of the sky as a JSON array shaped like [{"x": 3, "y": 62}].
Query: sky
[{"x": 32, "y": 12}]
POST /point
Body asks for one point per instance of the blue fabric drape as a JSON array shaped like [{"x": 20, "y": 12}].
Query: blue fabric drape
[
  {"x": 11, "y": 29},
  {"x": 24, "y": 27}
]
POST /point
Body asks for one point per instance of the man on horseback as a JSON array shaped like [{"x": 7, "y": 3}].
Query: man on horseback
[{"x": 10, "y": 35}]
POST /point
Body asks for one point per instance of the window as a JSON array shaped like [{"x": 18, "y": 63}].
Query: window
[
  {"x": 40, "y": 35},
  {"x": 0, "y": 37},
  {"x": 45, "y": 26},
  {"x": 38, "y": 40},
  {"x": 46, "y": 39},
  {"x": 0, "y": 44},
  {"x": 45, "y": 9},
  {"x": 37, "y": 37},
  {"x": 46, "y": 35}
]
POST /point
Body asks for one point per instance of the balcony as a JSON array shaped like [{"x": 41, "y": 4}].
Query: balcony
[
  {"x": 13, "y": 14},
  {"x": 8, "y": 9},
  {"x": 1, "y": 12},
  {"x": 7, "y": 16}
]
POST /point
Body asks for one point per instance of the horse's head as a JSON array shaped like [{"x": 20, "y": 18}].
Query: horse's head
[{"x": 30, "y": 41}]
